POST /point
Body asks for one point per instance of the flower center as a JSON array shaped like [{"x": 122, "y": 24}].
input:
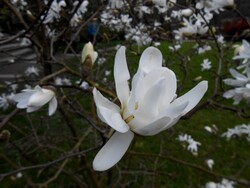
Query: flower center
[{"x": 129, "y": 119}]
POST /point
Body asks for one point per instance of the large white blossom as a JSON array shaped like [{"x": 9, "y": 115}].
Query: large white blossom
[
  {"x": 150, "y": 107},
  {"x": 34, "y": 99}
]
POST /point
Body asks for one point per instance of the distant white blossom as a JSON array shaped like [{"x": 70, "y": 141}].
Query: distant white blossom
[
  {"x": 78, "y": 14},
  {"x": 238, "y": 130},
  {"x": 25, "y": 41},
  {"x": 220, "y": 39},
  {"x": 214, "y": 5},
  {"x": 53, "y": 13},
  {"x": 20, "y": 4},
  {"x": 139, "y": 34},
  {"x": 212, "y": 129},
  {"x": 206, "y": 65},
  {"x": 175, "y": 48},
  {"x": 107, "y": 72},
  {"x": 116, "y": 4},
  {"x": 84, "y": 85},
  {"x": 34, "y": 99},
  {"x": 13, "y": 86},
  {"x": 203, "y": 49},
  {"x": 210, "y": 163},
  {"x": 32, "y": 70},
  {"x": 5, "y": 100},
  {"x": 241, "y": 85},
  {"x": 192, "y": 144},
  {"x": 243, "y": 52},
  {"x": 62, "y": 81},
  {"x": 101, "y": 60},
  {"x": 223, "y": 184},
  {"x": 163, "y": 5}
]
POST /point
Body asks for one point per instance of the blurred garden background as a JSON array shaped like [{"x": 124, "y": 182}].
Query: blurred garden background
[{"x": 44, "y": 46}]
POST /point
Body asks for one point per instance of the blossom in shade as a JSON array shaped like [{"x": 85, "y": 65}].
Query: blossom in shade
[
  {"x": 210, "y": 163},
  {"x": 34, "y": 99},
  {"x": 150, "y": 107}
]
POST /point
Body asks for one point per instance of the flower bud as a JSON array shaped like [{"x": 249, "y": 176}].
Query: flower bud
[
  {"x": 88, "y": 58},
  {"x": 186, "y": 12}
]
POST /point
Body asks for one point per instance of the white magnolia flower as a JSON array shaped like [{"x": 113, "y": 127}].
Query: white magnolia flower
[
  {"x": 116, "y": 4},
  {"x": 34, "y": 99},
  {"x": 84, "y": 85},
  {"x": 175, "y": 48},
  {"x": 243, "y": 52},
  {"x": 241, "y": 83},
  {"x": 12, "y": 85},
  {"x": 163, "y": 5},
  {"x": 139, "y": 34},
  {"x": 206, "y": 65},
  {"x": 32, "y": 71},
  {"x": 203, "y": 49},
  {"x": 54, "y": 11},
  {"x": 238, "y": 130},
  {"x": 212, "y": 129},
  {"x": 20, "y": 4},
  {"x": 192, "y": 144},
  {"x": 5, "y": 100},
  {"x": 78, "y": 14},
  {"x": 220, "y": 39},
  {"x": 62, "y": 81},
  {"x": 224, "y": 184},
  {"x": 210, "y": 163},
  {"x": 150, "y": 107},
  {"x": 180, "y": 13},
  {"x": 214, "y": 5}
]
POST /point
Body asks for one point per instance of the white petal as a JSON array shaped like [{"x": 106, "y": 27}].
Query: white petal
[
  {"x": 151, "y": 58},
  {"x": 112, "y": 152},
  {"x": 121, "y": 75},
  {"x": 154, "y": 127},
  {"x": 174, "y": 110},
  {"x": 22, "y": 99},
  {"x": 229, "y": 94},
  {"x": 109, "y": 112},
  {"x": 40, "y": 98},
  {"x": 52, "y": 106},
  {"x": 149, "y": 106},
  {"x": 95, "y": 56},
  {"x": 136, "y": 89},
  {"x": 33, "y": 108},
  {"x": 237, "y": 75},
  {"x": 232, "y": 82},
  {"x": 193, "y": 96}
]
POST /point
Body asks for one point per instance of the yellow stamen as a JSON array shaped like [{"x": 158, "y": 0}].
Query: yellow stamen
[
  {"x": 129, "y": 118},
  {"x": 136, "y": 106}
]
